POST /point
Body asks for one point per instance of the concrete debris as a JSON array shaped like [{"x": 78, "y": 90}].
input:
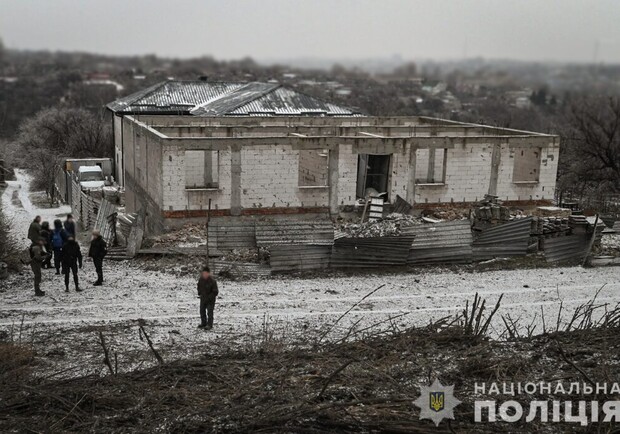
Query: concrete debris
[
  {"x": 190, "y": 235},
  {"x": 390, "y": 226},
  {"x": 489, "y": 211},
  {"x": 446, "y": 214}
]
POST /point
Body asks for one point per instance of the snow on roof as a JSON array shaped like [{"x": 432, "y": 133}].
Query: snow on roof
[{"x": 204, "y": 98}]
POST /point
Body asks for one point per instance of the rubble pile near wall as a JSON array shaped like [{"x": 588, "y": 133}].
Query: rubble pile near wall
[
  {"x": 490, "y": 211},
  {"x": 446, "y": 214},
  {"x": 553, "y": 226},
  {"x": 190, "y": 235},
  {"x": 390, "y": 226}
]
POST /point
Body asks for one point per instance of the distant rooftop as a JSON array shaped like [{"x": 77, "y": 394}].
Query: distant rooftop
[{"x": 204, "y": 98}]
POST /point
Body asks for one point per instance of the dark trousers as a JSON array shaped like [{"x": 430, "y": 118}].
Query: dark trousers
[
  {"x": 73, "y": 268},
  {"x": 57, "y": 259},
  {"x": 99, "y": 268},
  {"x": 36, "y": 269},
  {"x": 47, "y": 262},
  {"x": 206, "y": 311}
]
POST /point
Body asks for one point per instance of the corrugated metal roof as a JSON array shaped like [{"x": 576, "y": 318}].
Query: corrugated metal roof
[
  {"x": 204, "y": 98},
  {"x": 283, "y": 101},
  {"x": 173, "y": 97}
]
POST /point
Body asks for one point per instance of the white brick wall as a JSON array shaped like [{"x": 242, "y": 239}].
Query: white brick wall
[{"x": 177, "y": 197}]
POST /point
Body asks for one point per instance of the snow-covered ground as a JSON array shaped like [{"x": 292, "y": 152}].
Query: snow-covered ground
[{"x": 64, "y": 327}]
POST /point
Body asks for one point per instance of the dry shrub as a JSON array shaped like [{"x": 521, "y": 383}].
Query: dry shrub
[
  {"x": 15, "y": 362},
  {"x": 9, "y": 251}
]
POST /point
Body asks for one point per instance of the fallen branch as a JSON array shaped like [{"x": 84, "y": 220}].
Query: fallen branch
[
  {"x": 150, "y": 344},
  {"x": 106, "y": 353}
]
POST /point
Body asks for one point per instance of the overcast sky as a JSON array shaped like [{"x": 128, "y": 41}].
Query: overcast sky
[{"x": 565, "y": 30}]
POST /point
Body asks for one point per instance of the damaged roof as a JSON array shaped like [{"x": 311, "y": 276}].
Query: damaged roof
[{"x": 204, "y": 98}]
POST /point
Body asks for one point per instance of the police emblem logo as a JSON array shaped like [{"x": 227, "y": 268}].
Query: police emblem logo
[{"x": 436, "y": 402}]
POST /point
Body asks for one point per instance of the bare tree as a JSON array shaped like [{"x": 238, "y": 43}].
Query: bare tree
[
  {"x": 56, "y": 133},
  {"x": 591, "y": 156}
]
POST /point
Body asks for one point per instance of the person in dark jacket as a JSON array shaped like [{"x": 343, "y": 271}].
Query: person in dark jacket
[
  {"x": 46, "y": 234},
  {"x": 70, "y": 225},
  {"x": 207, "y": 291},
  {"x": 34, "y": 231},
  {"x": 97, "y": 251},
  {"x": 71, "y": 258},
  {"x": 58, "y": 239},
  {"x": 37, "y": 256}
]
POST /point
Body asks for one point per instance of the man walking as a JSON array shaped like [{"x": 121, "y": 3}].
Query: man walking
[
  {"x": 34, "y": 231},
  {"x": 97, "y": 251},
  {"x": 59, "y": 238},
  {"x": 71, "y": 257},
  {"x": 207, "y": 290},
  {"x": 37, "y": 256}
]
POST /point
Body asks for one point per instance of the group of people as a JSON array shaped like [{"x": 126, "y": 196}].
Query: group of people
[{"x": 60, "y": 245}]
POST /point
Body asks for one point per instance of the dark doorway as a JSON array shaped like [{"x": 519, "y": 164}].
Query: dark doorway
[{"x": 373, "y": 171}]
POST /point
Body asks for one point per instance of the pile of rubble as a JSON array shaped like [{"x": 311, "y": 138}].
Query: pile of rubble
[
  {"x": 390, "y": 226},
  {"x": 447, "y": 214},
  {"x": 491, "y": 209},
  {"x": 190, "y": 235}
]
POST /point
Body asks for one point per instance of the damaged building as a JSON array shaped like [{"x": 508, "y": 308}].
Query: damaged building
[{"x": 264, "y": 149}]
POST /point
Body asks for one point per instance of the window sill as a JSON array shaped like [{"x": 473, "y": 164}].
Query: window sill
[
  {"x": 431, "y": 184},
  {"x": 525, "y": 182},
  {"x": 202, "y": 189},
  {"x": 313, "y": 187}
]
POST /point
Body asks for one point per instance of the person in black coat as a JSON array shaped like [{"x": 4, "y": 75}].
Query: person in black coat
[
  {"x": 71, "y": 258},
  {"x": 208, "y": 292},
  {"x": 46, "y": 234},
  {"x": 98, "y": 250},
  {"x": 69, "y": 225}
]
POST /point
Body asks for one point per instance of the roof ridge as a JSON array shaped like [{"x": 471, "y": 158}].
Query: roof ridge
[
  {"x": 270, "y": 87},
  {"x": 148, "y": 91}
]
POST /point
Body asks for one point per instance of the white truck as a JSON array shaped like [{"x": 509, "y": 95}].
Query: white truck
[{"x": 91, "y": 177}]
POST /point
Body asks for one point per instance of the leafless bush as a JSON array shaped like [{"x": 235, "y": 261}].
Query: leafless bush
[{"x": 9, "y": 250}]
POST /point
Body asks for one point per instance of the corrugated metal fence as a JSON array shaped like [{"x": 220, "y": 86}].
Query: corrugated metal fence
[
  {"x": 225, "y": 234},
  {"x": 106, "y": 221},
  {"x": 441, "y": 243},
  {"x": 83, "y": 207},
  {"x": 277, "y": 232},
  {"x": 371, "y": 252},
  {"x": 507, "y": 239}
]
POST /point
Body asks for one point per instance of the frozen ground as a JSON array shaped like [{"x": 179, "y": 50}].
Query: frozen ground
[{"x": 65, "y": 327}]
